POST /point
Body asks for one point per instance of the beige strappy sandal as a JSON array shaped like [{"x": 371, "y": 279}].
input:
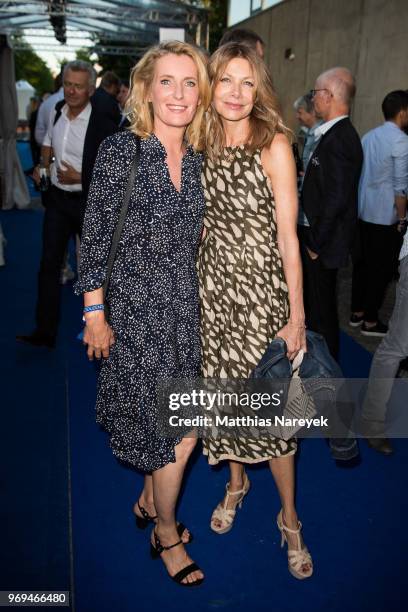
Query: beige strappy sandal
[
  {"x": 226, "y": 515},
  {"x": 296, "y": 558}
]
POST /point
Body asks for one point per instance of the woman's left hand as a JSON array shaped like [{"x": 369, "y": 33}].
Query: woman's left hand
[{"x": 294, "y": 335}]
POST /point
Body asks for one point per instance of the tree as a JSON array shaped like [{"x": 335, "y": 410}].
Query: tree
[
  {"x": 84, "y": 54},
  {"x": 30, "y": 67},
  {"x": 217, "y": 21}
]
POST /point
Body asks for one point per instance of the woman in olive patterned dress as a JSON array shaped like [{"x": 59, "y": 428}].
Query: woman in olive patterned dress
[{"x": 249, "y": 267}]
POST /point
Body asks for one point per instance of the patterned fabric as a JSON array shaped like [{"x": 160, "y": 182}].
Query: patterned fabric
[
  {"x": 242, "y": 286},
  {"x": 153, "y": 294}
]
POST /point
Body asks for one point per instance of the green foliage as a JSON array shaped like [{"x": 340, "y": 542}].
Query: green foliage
[
  {"x": 84, "y": 55},
  {"x": 217, "y": 21},
  {"x": 30, "y": 67}
]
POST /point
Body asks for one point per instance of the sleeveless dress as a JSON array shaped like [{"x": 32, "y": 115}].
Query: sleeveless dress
[
  {"x": 244, "y": 298},
  {"x": 153, "y": 294}
]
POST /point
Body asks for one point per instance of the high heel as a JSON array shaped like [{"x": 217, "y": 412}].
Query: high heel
[
  {"x": 157, "y": 549},
  {"x": 143, "y": 521},
  {"x": 296, "y": 558},
  {"x": 226, "y": 515}
]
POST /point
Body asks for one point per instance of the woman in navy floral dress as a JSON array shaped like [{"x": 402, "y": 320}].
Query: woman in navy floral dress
[{"x": 153, "y": 295}]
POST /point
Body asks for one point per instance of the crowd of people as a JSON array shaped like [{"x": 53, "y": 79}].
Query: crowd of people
[{"x": 186, "y": 201}]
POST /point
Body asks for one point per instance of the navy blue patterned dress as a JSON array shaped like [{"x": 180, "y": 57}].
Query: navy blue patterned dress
[{"x": 153, "y": 292}]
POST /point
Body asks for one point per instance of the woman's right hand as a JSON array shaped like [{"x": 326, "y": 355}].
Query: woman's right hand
[{"x": 98, "y": 335}]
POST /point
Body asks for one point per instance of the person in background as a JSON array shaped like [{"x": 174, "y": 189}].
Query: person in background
[
  {"x": 74, "y": 134},
  {"x": 47, "y": 108},
  {"x": 104, "y": 99},
  {"x": 386, "y": 361},
  {"x": 123, "y": 95},
  {"x": 31, "y": 106},
  {"x": 382, "y": 207},
  {"x": 121, "y": 98},
  {"x": 35, "y": 148},
  {"x": 329, "y": 199},
  {"x": 247, "y": 37},
  {"x": 309, "y": 122}
]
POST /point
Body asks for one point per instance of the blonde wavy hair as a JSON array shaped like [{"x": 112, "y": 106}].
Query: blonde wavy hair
[
  {"x": 265, "y": 119},
  {"x": 139, "y": 110}
]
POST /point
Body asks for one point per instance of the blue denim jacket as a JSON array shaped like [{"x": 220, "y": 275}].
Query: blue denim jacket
[{"x": 317, "y": 363}]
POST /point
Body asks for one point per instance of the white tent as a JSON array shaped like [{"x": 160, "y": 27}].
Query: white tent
[{"x": 25, "y": 91}]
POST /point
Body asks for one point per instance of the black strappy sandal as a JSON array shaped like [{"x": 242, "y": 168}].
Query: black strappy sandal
[
  {"x": 157, "y": 549},
  {"x": 142, "y": 522}
]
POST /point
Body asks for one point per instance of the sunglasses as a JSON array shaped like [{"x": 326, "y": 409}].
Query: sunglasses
[{"x": 313, "y": 92}]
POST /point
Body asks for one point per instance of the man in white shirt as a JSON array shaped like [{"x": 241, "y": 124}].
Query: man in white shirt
[
  {"x": 69, "y": 150},
  {"x": 382, "y": 204}
]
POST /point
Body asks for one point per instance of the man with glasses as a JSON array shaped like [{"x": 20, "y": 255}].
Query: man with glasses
[
  {"x": 329, "y": 199},
  {"x": 69, "y": 150}
]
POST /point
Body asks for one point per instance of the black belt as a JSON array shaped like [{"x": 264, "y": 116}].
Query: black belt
[{"x": 69, "y": 195}]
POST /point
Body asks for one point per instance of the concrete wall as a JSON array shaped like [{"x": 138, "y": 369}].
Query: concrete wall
[{"x": 367, "y": 36}]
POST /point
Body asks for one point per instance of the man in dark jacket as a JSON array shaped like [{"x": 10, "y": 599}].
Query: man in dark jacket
[
  {"x": 74, "y": 134},
  {"x": 104, "y": 100},
  {"x": 329, "y": 199}
]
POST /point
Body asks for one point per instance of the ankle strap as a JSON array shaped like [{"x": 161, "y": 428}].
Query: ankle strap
[
  {"x": 159, "y": 546},
  {"x": 227, "y": 486},
  {"x": 291, "y": 530},
  {"x": 145, "y": 514}
]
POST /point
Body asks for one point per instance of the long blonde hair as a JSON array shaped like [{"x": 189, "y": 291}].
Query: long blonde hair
[
  {"x": 265, "y": 119},
  {"x": 139, "y": 110}
]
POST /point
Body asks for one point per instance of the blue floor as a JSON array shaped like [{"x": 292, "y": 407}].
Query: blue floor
[{"x": 65, "y": 512}]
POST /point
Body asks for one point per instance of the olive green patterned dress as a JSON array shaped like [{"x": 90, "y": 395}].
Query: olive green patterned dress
[{"x": 244, "y": 299}]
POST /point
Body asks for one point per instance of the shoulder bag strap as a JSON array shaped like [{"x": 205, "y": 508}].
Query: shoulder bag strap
[{"x": 122, "y": 217}]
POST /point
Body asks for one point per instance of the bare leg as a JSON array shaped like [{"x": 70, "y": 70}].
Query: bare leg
[
  {"x": 146, "y": 497},
  {"x": 166, "y": 488},
  {"x": 237, "y": 473},
  {"x": 283, "y": 471},
  {"x": 146, "y": 501}
]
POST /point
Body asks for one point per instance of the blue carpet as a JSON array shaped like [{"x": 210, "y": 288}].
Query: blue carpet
[
  {"x": 353, "y": 519},
  {"x": 34, "y": 444}
]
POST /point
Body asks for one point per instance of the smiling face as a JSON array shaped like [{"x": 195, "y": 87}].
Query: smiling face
[
  {"x": 234, "y": 93},
  {"x": 174, "y": 92}
]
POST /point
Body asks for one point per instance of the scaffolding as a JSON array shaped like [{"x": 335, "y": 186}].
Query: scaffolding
[{"x": 130, "y": 25}]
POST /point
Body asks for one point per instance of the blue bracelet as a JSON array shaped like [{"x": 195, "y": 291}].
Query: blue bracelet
[{"x": 94, "y": 307}]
